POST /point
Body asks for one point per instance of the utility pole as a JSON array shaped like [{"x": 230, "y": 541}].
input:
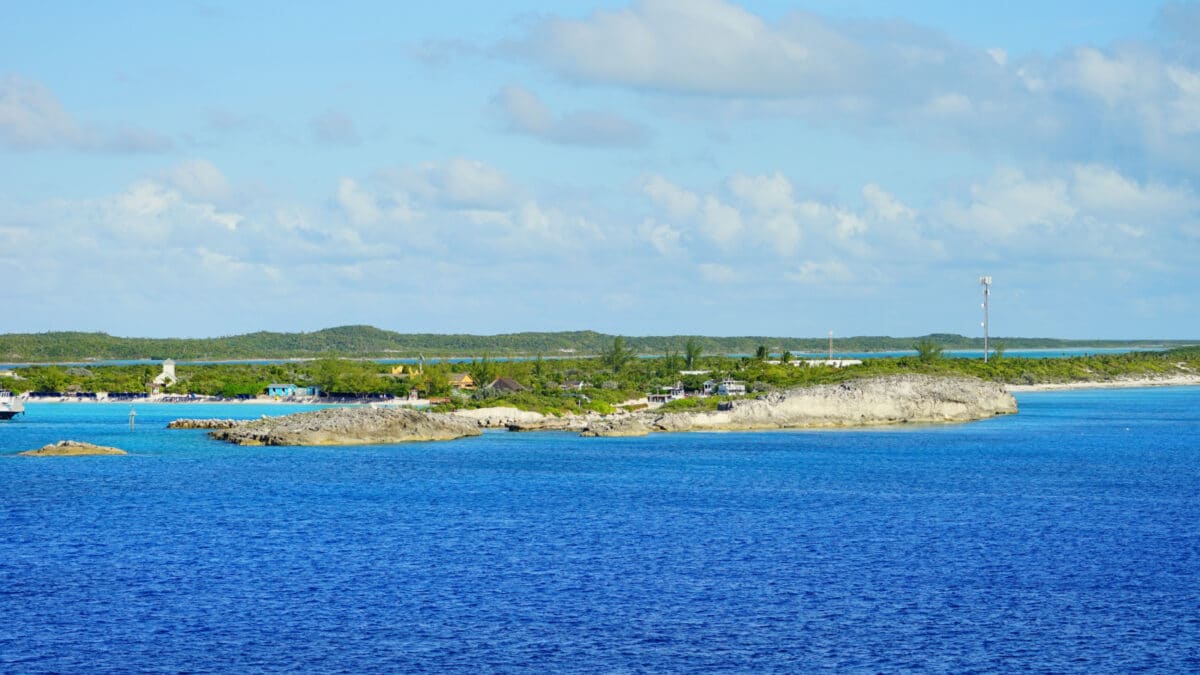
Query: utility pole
[
  {"x": 830, "y": 345},
  {"x": 986, "y": 282}
]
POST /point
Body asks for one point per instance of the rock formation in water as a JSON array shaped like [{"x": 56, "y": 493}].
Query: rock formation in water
[
  {"x": 348, "y": 426},
  {"x": 203, "y": 424},
  {"x": 899, "y": 399},
  {"x": 514, "y": 419},
  {"x": 72, "y": 449}
]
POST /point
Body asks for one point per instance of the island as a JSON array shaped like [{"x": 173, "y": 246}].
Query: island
[
  {"x": 72, "y": 449},
  {"x": 898, "y": 399}
]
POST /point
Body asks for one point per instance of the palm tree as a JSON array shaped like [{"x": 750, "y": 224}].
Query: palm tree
[
  {"x": 928, "y": 350},
  {"x": 691, "y": 353},
  {"x": 618, "y": 355}
]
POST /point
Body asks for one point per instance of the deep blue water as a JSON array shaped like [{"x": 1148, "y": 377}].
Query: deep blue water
[{"x": 1065, "y": 538}]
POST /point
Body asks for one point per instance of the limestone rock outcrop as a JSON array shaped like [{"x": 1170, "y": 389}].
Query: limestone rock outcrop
[
  {"x": 203, "y": 424},
  {"x": 72, "y": 449},
  {"x": 348, "y": 426},
  {"x": 899, "y": 399}
]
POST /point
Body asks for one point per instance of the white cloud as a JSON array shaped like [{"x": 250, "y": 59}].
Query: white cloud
[
  {"x": 812, "y": 272},
  {"x": 679, "y": 203},
  {"x": 766, "y": 194},
  {"x": 1111, "y": 79},
  {"x": 664, "y": 238},
  {"x": 694, "y": 46},
  {"x": 359, "y": 206},
  {"x": 722, "y": 223},
  {"x": 1136, "y": 101},
  {"x": 147, "y": 198},
  {"x": 849, "y": 225},
  {"x": 1103, "y": 191},
  {"x": 461, "y": 183},
  {"x": 199, "y": 179},
  {"x": 884, "y": 206},
  {"x": 717, "y": 273},
  {"x": 524, "y": 111},
  {"x": 521, "y": 111},
  {"x": 31, "y": 118},
  {"x": 1009, "y": 203}
]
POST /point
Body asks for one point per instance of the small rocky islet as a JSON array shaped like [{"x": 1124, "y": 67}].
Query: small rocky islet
[
  {"x": 901, "y": 399},
  {"x": 72, "y": 449}
]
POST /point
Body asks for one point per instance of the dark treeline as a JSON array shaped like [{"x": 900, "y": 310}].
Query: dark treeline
[{"x": 366, "y": 341}]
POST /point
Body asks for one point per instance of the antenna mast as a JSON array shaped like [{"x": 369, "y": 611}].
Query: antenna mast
[{"x": 986, "y": 282}]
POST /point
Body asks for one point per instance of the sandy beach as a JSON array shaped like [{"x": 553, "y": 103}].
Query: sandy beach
[{"x": 1171, "y": 381}]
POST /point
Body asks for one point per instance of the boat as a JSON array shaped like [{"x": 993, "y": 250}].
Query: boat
[{"x": 10, "y": 406}]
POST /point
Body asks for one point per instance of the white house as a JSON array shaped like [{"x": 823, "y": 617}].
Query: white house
[
  {"x": 665, "y": 394},
  {"x": 731, "y": 388},
  {"x": 167, "y": 376}
]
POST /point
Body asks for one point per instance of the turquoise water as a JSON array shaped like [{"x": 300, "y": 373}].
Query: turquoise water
[
  {"x": 1064, "y": 538},
  {"x": 955, "y": 353}
]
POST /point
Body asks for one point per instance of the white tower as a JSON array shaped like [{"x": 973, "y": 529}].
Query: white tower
[{"x": 986, "y": 282}]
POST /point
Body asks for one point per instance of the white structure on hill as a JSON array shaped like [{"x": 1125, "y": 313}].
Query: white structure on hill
[{"x": 167, "y": 376}]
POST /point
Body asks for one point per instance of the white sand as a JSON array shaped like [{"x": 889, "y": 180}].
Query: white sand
[{"x": 1124, "y": 383}]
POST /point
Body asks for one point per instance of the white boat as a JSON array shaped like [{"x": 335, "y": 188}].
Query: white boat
[{"x": 10, "y": 406}]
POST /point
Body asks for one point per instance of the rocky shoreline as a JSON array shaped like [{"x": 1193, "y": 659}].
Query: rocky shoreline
[
  {"x": 901, "y": 399},
  {"x": 72, "y": 449},
  {"x": 348, "y": 426}
]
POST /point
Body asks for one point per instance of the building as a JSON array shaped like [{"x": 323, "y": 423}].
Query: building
[
  {"x": 288, "y": 390},
  {"x": 506, "y": 384},
  {"x": 666, "y": 394},
  {"x": 572, "y": 385},
  {"x": 462, "y": 381},
  {"x": 167, "y": 376},
  {"x": 731, "y": 388},
  {"x": 835, "y": 363}
]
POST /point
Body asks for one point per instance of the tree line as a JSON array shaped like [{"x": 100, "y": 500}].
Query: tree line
[
  {"x": 367, "y": 341},
  {"x": 618, "y": 374}
]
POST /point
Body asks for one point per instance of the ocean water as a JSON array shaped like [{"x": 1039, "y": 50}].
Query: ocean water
[
  {"x": 1065, "y": 538},
  {"x": 1044, "y": 353}
]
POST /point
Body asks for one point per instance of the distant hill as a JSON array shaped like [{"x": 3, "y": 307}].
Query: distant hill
[{"x": 368, "y": 341}]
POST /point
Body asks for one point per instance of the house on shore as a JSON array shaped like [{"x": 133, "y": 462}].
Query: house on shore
[
  {"x": 462, "y": 381},
  {"x": 729, "y": 387},
  {"x": 289, "y": 390},
  {"x": 167, "y": 376},
  {"x": 506, "y": 385},
  {"x": 726, "y": 387},
  {"x": 833, "y": 363},
  {"x": 666, "y": 394}
]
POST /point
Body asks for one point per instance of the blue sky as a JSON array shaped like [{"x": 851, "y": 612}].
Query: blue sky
[{"x": 645, "y": 167}]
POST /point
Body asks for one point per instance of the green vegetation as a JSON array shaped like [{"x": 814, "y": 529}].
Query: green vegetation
[
  {"x": 928, "y": 350},
  {"x": 366, "y": 341},
  {"x": 607, "y": 382}
]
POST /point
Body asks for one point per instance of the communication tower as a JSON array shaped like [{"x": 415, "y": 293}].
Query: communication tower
[{"x": 986, "y": 282}]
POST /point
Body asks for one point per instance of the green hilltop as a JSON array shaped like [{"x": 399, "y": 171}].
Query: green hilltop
[{"x": 368, "y": 341}]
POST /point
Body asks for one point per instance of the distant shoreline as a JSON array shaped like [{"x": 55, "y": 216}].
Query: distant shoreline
[
  {"x": 1131, "y": 383},
  {"x": 1127, "y": 383}
]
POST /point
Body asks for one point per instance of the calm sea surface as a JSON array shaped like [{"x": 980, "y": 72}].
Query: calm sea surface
[{"x": 1065, "y": 538}]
